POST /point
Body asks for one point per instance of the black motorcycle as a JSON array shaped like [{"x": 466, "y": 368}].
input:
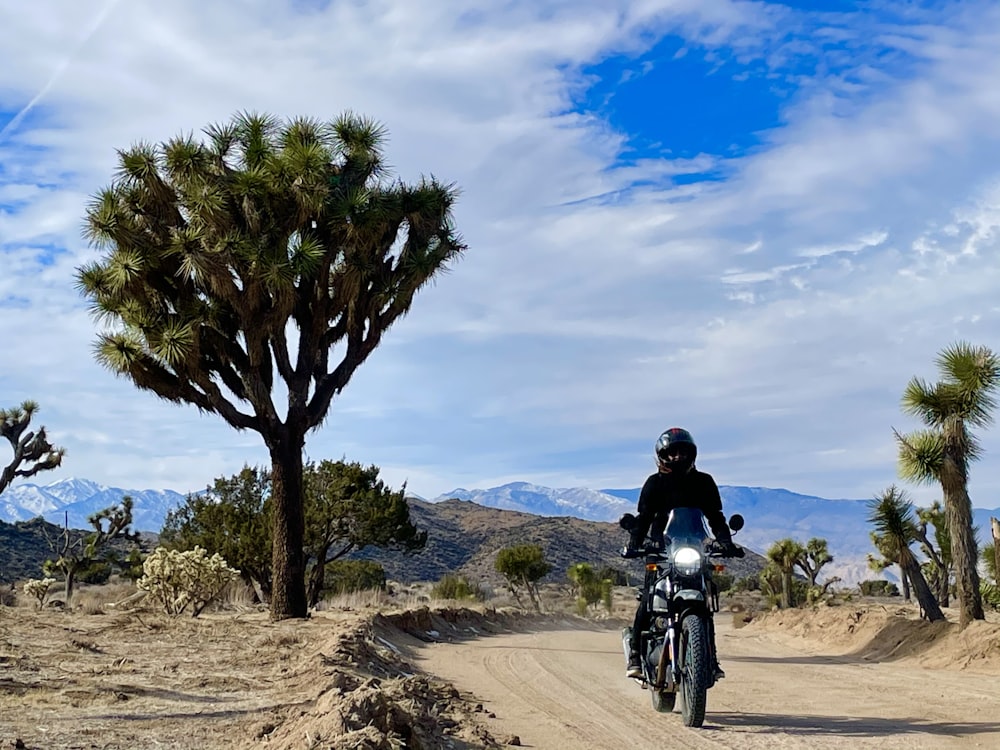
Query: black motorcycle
[{"x": 677, "y": 649}]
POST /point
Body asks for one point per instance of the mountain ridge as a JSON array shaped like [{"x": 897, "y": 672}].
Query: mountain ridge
[{"x": 770, "y": 513}]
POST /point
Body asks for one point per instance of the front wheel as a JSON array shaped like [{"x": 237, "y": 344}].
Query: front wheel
[{"x": 694, "y": 659}]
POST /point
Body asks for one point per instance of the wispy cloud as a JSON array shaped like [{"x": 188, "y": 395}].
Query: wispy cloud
[{"x": 774, "y": 299}]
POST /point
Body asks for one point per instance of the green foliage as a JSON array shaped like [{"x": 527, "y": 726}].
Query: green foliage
[
  {"x": 32, "y": 451},
  {"x": 589, "y": 587},
  {"x": 724, "y": 581},
  {"x": 878, "y": 587},
  {"x": 347, "y": 508},
  {"x": 177, "y": 580},
  {"x": 523, "y": 565},
  {"x": 232, "y": 518},
  {"x": 617, "y": 576},
  {"x": 785, "y": 554},
  {"x": 96, "y": 573},
  {"x": 747, "y": 583},
  {"x": 345, "y": 576},
  {"x": 988, "y": 556},
  {"x": 455, "y": 587},
  {"x": 991, "y": 594}
]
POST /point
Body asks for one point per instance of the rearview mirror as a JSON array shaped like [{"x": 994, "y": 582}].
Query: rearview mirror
[
  {"x": 736, "y": 522},
  {"x": 627, "y": 522}
]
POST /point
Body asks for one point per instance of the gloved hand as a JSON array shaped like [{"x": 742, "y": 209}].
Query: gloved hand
[{"x": 729, "y": 549}]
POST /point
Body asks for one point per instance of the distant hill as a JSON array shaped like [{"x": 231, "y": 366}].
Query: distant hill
[
  {"x": 464, "y": 537},
  {"x": 23, "y": 547}
]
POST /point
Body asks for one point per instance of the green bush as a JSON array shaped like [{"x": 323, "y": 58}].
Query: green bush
[
  {"x": 96, "y": 573},
  {"x": 724, "y": 581},
  {"x": 455, "y": 587},
  {"x": 878, "y": 587},
  {"x": 345, "y": 576}
]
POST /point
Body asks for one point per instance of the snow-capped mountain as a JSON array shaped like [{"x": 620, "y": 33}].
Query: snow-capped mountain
[
  {"x": 74, "y": 500},
  {"x": 591, "y": 505},
  {"x": 770, "y": 514}
]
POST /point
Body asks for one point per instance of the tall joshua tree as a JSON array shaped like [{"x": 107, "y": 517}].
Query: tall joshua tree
[
  {"x": 32, "y": 450},
  {"x": 943, "y": 451},
  {"x": 891, "y": 513},
  {"x": 271, "y": 249}
]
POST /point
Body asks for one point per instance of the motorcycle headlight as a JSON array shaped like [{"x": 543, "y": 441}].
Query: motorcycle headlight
[{"x": 688, "y": 561}]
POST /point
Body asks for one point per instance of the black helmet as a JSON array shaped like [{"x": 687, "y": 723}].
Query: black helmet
[{"x": 676, "y": 451}]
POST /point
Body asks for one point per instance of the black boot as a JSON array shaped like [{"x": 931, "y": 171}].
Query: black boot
[{"x": 634, "y": 669}]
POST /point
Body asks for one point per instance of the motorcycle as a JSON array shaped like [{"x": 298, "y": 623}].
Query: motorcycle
[{"x": 677, "y": 648}]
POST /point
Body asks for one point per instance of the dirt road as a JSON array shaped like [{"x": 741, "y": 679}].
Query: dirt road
[{"x": 564, "y": 688}]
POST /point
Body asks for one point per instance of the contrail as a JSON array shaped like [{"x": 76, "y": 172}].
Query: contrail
[{"x": 60, "y": 69}]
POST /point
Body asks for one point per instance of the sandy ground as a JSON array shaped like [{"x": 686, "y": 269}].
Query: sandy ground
[
  {"x": 480, "y": 679},
  {"x": 565, "y": 687}
]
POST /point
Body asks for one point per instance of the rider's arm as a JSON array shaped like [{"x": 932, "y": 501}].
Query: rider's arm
[
  {"x": 712, "y": 509},
  {"x": 645, "y": 512}
]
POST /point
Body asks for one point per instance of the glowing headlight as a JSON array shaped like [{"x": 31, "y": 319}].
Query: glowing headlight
[{"x": 688, "y": 561}]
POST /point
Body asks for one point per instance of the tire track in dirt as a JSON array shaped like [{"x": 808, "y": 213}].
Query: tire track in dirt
[{"x": 564, "y": 687}]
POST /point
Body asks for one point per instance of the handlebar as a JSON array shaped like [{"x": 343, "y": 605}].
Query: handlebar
[{"x": 712, "y": 549}]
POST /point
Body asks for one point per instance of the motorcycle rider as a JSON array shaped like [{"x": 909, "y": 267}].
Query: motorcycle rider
[{"x": 676, "y": 483}]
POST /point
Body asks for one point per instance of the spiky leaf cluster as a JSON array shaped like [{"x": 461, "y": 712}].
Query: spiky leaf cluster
[
  {"x": 255, "y": 252},
  {"x": 32, "y": 450}
]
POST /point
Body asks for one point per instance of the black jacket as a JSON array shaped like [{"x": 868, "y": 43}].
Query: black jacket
[{"x": 663, "y": 492}]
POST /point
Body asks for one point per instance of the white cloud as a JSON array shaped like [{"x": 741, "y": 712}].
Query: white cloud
[{"x": 777, "y": 311}]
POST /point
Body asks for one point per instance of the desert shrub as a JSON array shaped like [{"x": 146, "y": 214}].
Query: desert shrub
[
  {"x": 455, "y": 587},
  {"x": 8, "y": 596},
  {"x": 177, "y": 580},
  {"x": 346, "y": 576},
  {"x": 724, "y": 581},
  {"x": 746, "y": 583},
  {"x": 96, "y": 573},
  {"x": 991, "y": 595},
  {"x": 878, "y": 587},
  {"x": 38, "y": 590},
  {"x": 616, "y": 576}
]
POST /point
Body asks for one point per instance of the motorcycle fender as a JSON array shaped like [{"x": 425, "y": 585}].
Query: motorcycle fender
[{"x": 690, "y": 595}]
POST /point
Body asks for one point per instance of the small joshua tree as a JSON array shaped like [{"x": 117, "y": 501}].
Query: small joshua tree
[{"x": 32, "y": 450}]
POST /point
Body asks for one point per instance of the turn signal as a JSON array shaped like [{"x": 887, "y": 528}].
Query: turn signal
[
  {"x": 650, "y": 566},
  {"x": 718, "y": 568}
]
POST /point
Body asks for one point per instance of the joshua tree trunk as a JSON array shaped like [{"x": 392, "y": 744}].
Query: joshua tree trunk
[
  {"x": 905, "y": 580},
  {"x": 928, "y": 604},
  {"x": 786, "y": 590},
  {"x": 995, "y": 526},
  {"x": 958, "y": 511},
  {"x": 288, "y": 591}
]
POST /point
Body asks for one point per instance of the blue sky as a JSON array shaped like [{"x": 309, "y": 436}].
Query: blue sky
[{"x": 755, "y": 220}]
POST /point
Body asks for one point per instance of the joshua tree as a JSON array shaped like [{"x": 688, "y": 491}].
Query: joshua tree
[
  {"x": 74, "y": 553},
  {"x": 892, "y": 516},
  {"x": 939, "y": 557},
  {"x": 943, "y": 451},
  {"x": 274, "y": 249},
  {"x": 785, "y": 554},
  {"x": 814, "y": 556},
  {"x": 32, "y": 450}
]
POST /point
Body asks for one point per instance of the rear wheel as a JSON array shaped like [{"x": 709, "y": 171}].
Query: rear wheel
[
  {"x": 663, "y": 701},
  {"x": 694, "y": 670}
]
